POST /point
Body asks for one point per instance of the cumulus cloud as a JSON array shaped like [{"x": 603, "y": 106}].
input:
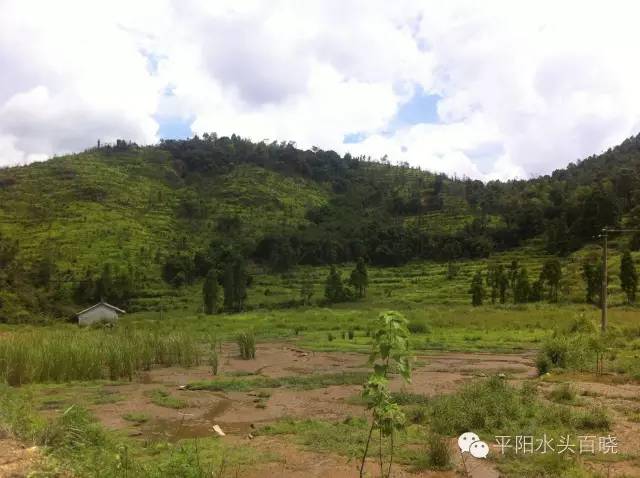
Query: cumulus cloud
[{"x": 522, "y": 89}]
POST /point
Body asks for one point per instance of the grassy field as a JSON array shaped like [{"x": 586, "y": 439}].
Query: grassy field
[{"x": 62, "y": 382}]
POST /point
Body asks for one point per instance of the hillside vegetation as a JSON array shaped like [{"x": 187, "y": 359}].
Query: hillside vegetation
[{"x": 140, "y": 226}]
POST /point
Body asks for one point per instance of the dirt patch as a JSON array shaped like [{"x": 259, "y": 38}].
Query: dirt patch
[{"x": 16, "y": 460}]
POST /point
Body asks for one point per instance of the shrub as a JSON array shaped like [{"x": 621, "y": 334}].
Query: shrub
[
  {"x": 351, "y": 334},
  {"x": 418, "y": 327},
  {"x": 543, "y": 364}
]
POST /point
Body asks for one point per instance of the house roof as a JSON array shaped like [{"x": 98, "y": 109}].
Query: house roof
[{"x": 112, "y": 307}]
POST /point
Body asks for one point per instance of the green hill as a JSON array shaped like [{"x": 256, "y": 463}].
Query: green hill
[{"x": 134, "y": 223}]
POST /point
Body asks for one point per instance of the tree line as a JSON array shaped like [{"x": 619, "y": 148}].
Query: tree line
[{"x": 500, "y": 283}]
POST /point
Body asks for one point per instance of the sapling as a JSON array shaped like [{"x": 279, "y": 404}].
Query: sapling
[{"x": 390, "y": 349}]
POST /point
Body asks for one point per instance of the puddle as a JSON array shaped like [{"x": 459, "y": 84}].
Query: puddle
[{"x": 189, "y": 427}]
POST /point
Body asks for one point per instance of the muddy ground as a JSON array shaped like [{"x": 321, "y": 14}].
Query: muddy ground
[{"x": 239, "y": 413}]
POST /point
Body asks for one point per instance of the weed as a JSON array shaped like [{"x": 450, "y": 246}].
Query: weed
[{"x": 163, "y": 399}]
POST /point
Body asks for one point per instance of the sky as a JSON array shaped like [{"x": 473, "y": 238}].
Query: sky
[{"x": 488, "y": 90}]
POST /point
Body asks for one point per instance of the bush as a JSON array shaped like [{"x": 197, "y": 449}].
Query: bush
[
  {"x": 543, "y": 364},
  {"x": 418, "y": 327}
]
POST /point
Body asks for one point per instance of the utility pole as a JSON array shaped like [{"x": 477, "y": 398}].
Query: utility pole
[{"x": 603, "y": 299}]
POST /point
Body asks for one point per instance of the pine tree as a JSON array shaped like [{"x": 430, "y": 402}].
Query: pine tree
[
  {"x": 210, "y": 293},
  {"x": 628, "y": 276},
  {"x": 360, "y": 278},
  {"x": 477, "y": 289}
]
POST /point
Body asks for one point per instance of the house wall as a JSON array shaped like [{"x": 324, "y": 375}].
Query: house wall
[{"x": 97, "y": 314}]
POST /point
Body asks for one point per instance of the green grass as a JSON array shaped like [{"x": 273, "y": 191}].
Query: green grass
[
  {"x": 162, "y": 398},
  {"x": 304, "y": 382},
  {"x": 136, "y": 417}
]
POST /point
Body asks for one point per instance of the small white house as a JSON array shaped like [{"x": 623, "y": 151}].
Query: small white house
[{"x": 99, "y": 312}]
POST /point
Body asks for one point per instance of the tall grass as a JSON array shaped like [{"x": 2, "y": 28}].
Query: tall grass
[
  {"x": 247, "y": 344},
  {"x": 65, "y": 355}
]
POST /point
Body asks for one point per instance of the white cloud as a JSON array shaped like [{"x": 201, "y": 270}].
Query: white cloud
[{"x": 525, "y": 88}]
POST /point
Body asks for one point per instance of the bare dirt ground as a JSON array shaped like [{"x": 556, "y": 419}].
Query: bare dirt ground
[
  {"x": 16, "y": 460},
  {"x": 240, "y": 413}
]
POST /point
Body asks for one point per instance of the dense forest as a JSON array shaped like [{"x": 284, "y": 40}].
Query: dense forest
[{"x": 105, "y": 222}]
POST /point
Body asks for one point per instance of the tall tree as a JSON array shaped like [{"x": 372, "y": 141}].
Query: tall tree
[
  {"x": 592, "y": 275},
  {"x": 492, "y": 281},
  {"x": 360, "y": 278},
  {"x": 498, "y": 282},
  {"x": 334, "y": 288},
  {"x": 551, "y": 274},
  {"x": 513, "y": 274},
  {"x": 210, "y": 292},
  {"x": 628, "y": 276},
  {"x": 477, "y": 289},
  {"x": 522, "y": 290},
  {"x": 235, "y": 284}
]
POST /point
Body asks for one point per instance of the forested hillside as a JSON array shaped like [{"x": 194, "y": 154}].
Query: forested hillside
[{"x": 123, "y": 221}]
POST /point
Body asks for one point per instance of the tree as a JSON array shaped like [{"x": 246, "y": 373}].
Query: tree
[
  {"x": 235, "y": 284},
  {"x": 551, "y": 274},
  {"x": 498, "y": 282},
  {"x": 522, "y": 290},
  {"x": 334, "y": 288},
  {"x": 592, "y": 275},
  {"x": 210, "y": 292},
  {"x": 359, "y": 278},
  {"x": 536, "y": 291},
  {"x": 306, "y": 291},
  {"x": 512, "y": 274},
  {"x": 628, "y": 276},
  {"x": 503, "y": 285},
  {"x": 477, "y": 289},
  {"x": 390, "y": 352}
]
